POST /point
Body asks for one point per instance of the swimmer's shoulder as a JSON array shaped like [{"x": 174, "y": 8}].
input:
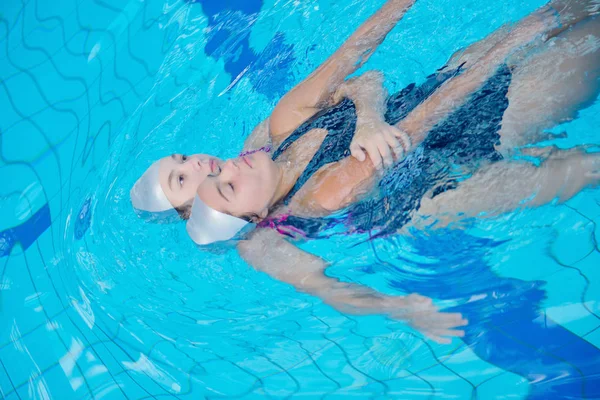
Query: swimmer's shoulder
[
  {"x": 339, "y": 184},
  {"x": 259, "y": 137}
]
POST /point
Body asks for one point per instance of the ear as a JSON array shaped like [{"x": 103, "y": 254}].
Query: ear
[
  {"x": 256, "y": 218},
  {"x": 185, "y": 210}
]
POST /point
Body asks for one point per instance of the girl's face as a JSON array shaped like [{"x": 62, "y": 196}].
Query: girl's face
[
  {"x": 180, "y": 175},
  {"x": 242, "y": 187}
]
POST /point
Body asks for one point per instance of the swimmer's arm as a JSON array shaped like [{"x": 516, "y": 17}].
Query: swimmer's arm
[
  {"x": 373, "y": 135},
  {"x": 455, "y": 91},
  {"x": 367, "y": 93},
  {"x": 340, "y": 185},
  {"x": 310, "y": 95},
  {"x": 268, "y": 252}
]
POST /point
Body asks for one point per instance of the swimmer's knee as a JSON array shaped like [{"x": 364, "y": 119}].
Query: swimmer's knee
[{"x": 572, "y": 170}]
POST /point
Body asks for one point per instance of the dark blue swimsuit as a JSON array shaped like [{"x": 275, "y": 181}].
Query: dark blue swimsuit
[
  {"x": 556, "y": 362},
  {"x": 462, "y": 141}
]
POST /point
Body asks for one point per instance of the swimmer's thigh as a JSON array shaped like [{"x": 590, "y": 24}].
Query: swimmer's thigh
[
  {"x": 550, "y": 85},
  {"x": 471, "y": 54},
  {"x": 571, "y": 12},
  {"x": 508, "y": 185}
]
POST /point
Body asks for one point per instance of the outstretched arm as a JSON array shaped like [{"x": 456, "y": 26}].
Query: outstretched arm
[
  {"x": 308, "y": 96},
  {"x": 268, "y": 252}
]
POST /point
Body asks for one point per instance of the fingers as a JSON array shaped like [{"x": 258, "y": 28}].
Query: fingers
[
  {"x": 385, "y": 151},
  {"x": 423, "y": 315},
  {"x": 428, "y": 320},
  {"x": 384, "y": 148},
  {"x": 394, "y": 144},
  {"x": 357, "y": 151},
  {"x": 452, "y": 320},
  {"x": 439, "y": 339},
  {"x": 450, "y": 332},
  {"x": 380, "y": 151},
  {"x": 444, "y": 336},
  {"x": 539, "y": 152},
  {"x": 375, "y": 154},
  {"x": 403, "y": 138}
]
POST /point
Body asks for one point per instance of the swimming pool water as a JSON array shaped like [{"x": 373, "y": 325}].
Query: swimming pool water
[{"x": 94, "y": 303}]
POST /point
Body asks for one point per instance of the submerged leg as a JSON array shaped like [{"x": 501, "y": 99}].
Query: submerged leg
[
  {"x": 571, "y": 12},
  {"x": 551, "y": 84},
  {"x": 516, "y": 184}
]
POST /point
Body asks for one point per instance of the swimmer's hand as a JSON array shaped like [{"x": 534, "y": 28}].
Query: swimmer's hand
[
  {"x": 384, "y": 143},
  {"x": 421, "y": 314}
]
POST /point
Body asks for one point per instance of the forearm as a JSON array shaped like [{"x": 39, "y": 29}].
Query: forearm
[
  {"x": 268, "y": 253},
  {"x": 313, "y": 93},
  {"x": 367, "y": 93},
  {"x": 350, "y": 298},
  {"x": 363, "y": 42},
  {"x": 357, "y": 49}
]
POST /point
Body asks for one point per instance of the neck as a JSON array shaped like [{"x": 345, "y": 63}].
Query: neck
[
  {"x": 288, "y": 177},
  {"x": 293, "y": 161}
]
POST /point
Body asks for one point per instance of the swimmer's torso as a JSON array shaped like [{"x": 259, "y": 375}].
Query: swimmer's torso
[
  {"x": 319, "y": 149},
  {"x": 330, "y": 180}
]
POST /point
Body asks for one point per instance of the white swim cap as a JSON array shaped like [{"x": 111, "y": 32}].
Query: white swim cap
[
  {"x": 207, "y": 225},
  {"x": 147, "y": 195}
]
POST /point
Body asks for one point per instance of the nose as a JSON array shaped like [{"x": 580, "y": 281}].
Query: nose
[
  {"x": 230, "y": 168},
  {"x": 231, "y": 164},
  {"x": 195, "y": 164}
]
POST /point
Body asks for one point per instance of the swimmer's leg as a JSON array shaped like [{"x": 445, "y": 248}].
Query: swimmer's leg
[
  {"x": 574, "y": 11},
  {"x": 469, "y": 55},
  {"x": 560, "y": 176},
  {"x": 551, "y": 84},
  {"x": 570, "y": 11}
]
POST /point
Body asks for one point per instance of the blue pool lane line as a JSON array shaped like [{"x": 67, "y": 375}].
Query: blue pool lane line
[
  {"x": 269, "y": 71},
  {"x": 27, "y": 233},
  {"x": 561, "y": 365},
  {"x": 236, "y": 61},
  {"x": 506, "y": 327}
]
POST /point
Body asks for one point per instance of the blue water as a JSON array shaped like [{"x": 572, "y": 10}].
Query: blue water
[{"x": 94, "y": 303}]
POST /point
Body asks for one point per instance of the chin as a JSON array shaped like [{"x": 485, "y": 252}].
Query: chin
[{"x": 262, "y": 156}]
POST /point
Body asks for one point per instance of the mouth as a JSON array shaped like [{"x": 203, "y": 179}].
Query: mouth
[
  {"x": 212, "y": 165},
  {"x": 247, "y": 161}
]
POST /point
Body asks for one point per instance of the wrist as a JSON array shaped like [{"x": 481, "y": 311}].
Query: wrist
[
  {"x": 369, "y": 115},
  {"x": 391, "y": 304}
]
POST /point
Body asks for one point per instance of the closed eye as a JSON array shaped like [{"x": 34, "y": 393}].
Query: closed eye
[{"x": 221, "y": 193}]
